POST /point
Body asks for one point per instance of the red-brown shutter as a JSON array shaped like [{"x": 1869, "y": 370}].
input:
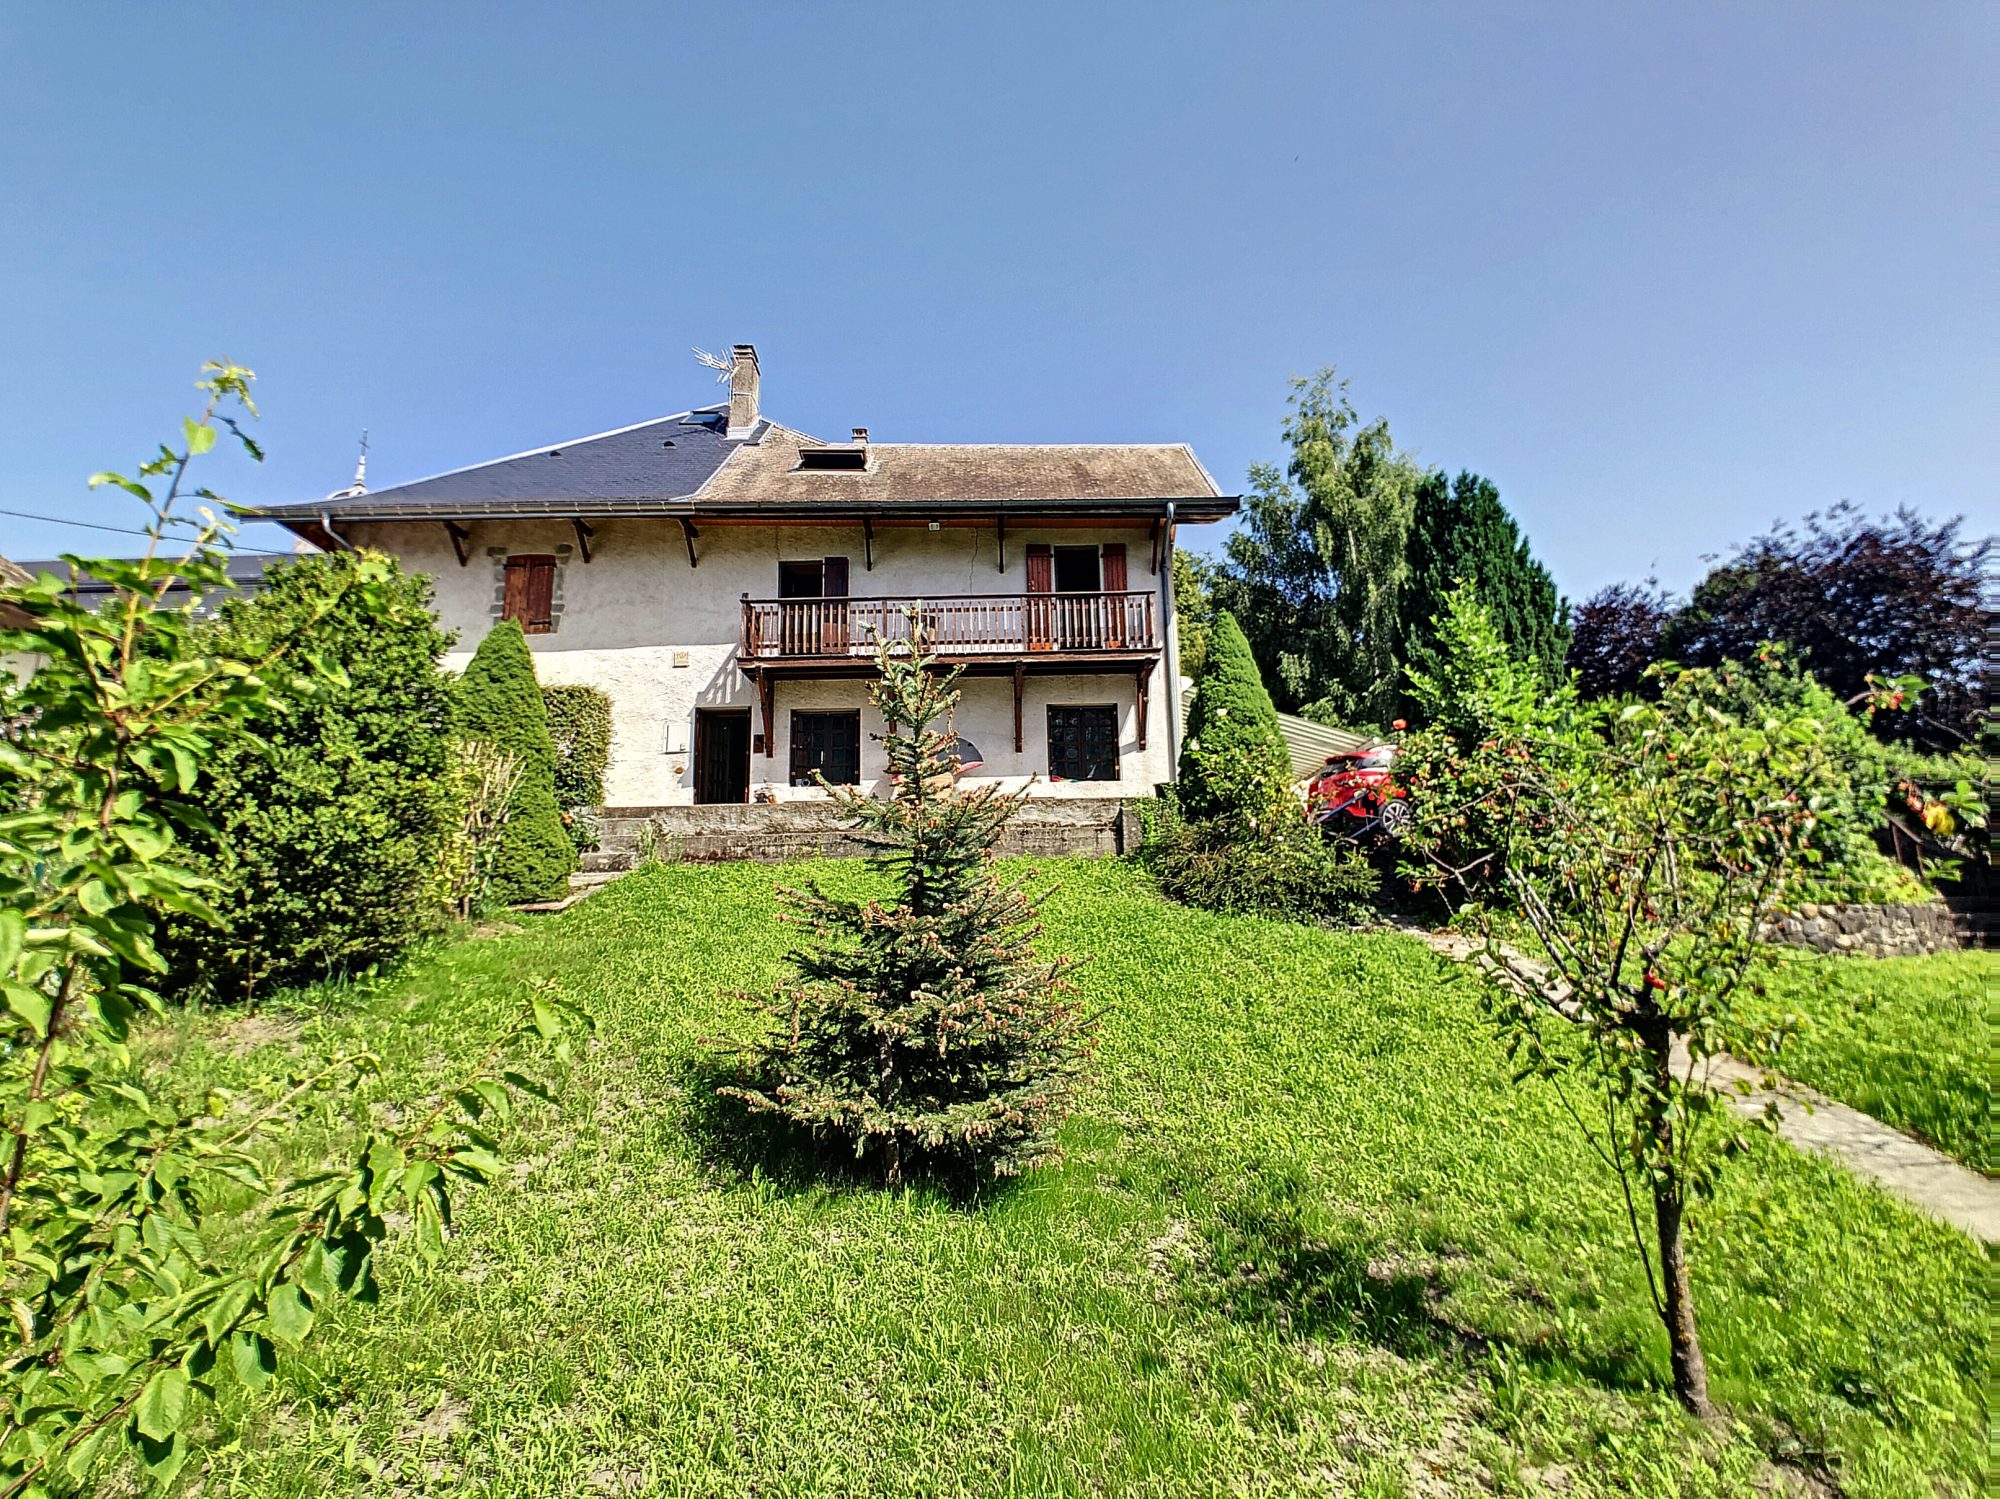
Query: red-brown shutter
[
  {"x": 1114, "y": 567},
  {"x": 1113, "y": 564},
  {"x": 530, "y": 593},
  {"x": 833, "y": 617},
  {"x": 1041, "y": 612}
]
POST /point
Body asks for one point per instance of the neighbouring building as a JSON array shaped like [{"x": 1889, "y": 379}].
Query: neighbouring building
[{"x": 725, "y": 578}]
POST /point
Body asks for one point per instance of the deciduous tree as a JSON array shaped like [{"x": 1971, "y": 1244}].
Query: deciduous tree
[{"x": 1316, "y": 573}]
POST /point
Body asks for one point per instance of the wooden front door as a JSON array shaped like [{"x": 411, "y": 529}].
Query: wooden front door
[{"x": 722, "y": 755}]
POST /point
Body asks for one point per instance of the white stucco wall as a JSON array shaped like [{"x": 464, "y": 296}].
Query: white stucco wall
[{"x": 624, "y": 618}]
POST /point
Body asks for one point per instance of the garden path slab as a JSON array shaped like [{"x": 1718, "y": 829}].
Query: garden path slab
[{"x": 1811, "y": 1121}]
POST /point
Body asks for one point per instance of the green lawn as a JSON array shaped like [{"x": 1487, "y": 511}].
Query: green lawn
[
  {"x": 1308, "y": 1240},
  {"x": 1905, "y": 1039}
]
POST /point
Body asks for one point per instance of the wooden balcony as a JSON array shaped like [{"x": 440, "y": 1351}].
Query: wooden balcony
[
  {"x": 989, "y": 629},
  {"x": 987, "y": 634}
]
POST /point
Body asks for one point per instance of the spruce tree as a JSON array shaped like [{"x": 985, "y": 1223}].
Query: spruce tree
[
  {"x": 1232, "y": 716},
  {"x": 500, "y": 704},
  {"x": 1461, "y": 531},
  {"x": 923, "y": 1030}
]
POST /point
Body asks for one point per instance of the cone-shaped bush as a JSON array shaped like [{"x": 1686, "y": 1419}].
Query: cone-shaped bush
[
  {"x": 1232, "y": 717},
  {"x": 924, "y": 1030},
  {"x": 499, "y": 703}
]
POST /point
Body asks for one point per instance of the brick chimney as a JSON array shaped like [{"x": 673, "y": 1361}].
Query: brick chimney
[{"x": 742, "y": 389}]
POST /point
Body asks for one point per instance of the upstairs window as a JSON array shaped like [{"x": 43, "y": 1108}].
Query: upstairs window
[
  {"x": 1083, "y": 744},
  {"x": 530, "y": 593}
]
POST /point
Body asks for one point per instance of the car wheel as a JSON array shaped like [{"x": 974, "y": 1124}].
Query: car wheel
[{"x": 1397, "y": 818}]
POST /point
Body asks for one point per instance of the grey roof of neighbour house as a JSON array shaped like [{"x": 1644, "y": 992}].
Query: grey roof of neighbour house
[
  {"x": 629, "y": 470},
  {"x": 246, "y": 571}
]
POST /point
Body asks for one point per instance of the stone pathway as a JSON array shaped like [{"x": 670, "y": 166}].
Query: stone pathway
[{"x": 1813, "y": 1122}]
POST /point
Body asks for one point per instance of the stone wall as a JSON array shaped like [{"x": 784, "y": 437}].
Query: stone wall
[
  {"x": 771, "y": 832},
  {"x": 1888, "y": 931}
]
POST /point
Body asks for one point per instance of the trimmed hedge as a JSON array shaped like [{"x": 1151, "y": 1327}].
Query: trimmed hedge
[
  {"x": 580, "y": 731},
  {"x": 330, "y": 813},
  {"x": 500, "y": 704}
]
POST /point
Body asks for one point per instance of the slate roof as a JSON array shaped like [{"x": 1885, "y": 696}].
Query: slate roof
[
  {"x": 633, "y": 469},
  {"x": 246, "y": 570},
  {"x": 766, "y": 470}
]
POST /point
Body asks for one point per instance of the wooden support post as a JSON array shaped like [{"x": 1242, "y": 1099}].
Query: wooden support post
[
  {"x": 1019, "y": 675},
  {"x": 1145, "y": 678},
  {"x": 764, "y": 686},
  {"x": 1003, "y": 543},
  {"x": 689, "y": 534},
  {"x": 867, "y": 544},
  {"x": 1154, "y": 536},
  {"x": 583, "y": 535},
  {"x": 459, "y": 537}
]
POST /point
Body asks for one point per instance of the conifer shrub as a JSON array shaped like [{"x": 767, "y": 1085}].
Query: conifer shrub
[
  {"x": 923, "y": 1031},
  {"x": 1232, "y": 716},
  {"x": 327, "y": 816},
  {"x": 1234, "y": 835},
  {"x": 499, "y": 703}
]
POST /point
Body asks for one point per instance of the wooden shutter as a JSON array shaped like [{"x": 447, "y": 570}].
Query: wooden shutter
[
  {"x": 833, "y": 617},
  {"x": 1041, "y": 612},
  {"x": 1113, "y": 563},
  {"x": 530, "y": 593}
]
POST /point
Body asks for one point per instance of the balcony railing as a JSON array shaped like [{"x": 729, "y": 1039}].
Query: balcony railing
[{"x": 987, "y": 624}]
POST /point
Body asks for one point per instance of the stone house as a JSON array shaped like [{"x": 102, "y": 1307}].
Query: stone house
[{"x": 724, "y": 578}]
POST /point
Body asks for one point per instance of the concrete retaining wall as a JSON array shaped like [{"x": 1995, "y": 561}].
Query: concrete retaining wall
[
  {"x": 771, "y": 832},
  {"x": 1894, "y": 931}
]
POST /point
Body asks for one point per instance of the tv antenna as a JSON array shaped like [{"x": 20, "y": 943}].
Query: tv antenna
[{"x": 714, "y": 362}]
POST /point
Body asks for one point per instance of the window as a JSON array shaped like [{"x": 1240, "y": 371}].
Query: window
[
  {"x": 529, "y": 593},
  {"x": 1083, "y": 744},
  {"x": 829, "y": 743},
  {"x": 1076, "y": 570}
]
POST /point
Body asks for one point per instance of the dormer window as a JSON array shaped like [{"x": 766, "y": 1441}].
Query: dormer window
[{"x": 832, "y": 460}]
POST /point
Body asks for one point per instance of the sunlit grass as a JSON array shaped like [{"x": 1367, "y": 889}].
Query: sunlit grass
[{"x": 1309, "y": 1239}]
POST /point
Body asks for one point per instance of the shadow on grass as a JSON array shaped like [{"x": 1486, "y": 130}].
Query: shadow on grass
[
  {"x": 732, "y": 1138},
  {"x": 1271, "y": 1263}
]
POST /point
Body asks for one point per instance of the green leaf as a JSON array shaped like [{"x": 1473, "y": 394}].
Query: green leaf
[
  {"x": 290, "y": 1316},
  {"x": 95, "y": 897},
  {"x": 199, "y": 438},
  {"x": 162, "y": 1405},
  {"x": 254, "y": 1358},
  {"x": 163, "y": 1458},
  {"x": 30, "y": 1005},
  {"x": 13, "y": 933}
]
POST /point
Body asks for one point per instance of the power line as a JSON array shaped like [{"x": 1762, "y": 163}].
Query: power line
[{"x": 120, "y": 530}]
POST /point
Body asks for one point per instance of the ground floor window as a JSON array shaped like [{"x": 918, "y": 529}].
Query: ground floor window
[
  {"x": 1083, "y": 744},
  {"x": 829, "y": 743}
]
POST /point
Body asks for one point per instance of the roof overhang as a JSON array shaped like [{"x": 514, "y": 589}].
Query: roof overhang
[{"x": 321, "y": 525}]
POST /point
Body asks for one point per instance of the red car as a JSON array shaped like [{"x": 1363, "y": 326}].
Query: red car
[{"x": 1355, "y": 795}]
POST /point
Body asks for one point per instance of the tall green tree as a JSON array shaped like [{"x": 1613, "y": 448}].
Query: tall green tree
[
  {"x": 1232, "y": 717},
  {"x": 1316, "y": 573},
  {"x": 499, "y": 704},
  {"x": 1461, "y": 531},
  {"x": 327, "y": 822}
]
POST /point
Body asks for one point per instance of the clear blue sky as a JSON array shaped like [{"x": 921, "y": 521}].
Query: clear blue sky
[{"x": 1665, "y": 273}]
